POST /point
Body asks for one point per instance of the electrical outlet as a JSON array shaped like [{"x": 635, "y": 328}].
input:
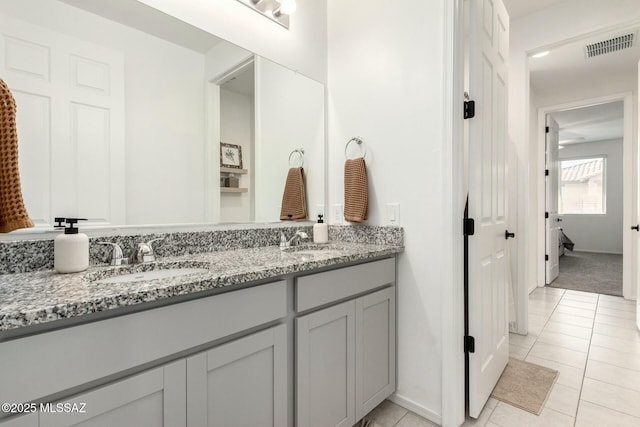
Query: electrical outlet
[
  {"x": 337, "y": 217},
  {"x": 393, "y": 213}
]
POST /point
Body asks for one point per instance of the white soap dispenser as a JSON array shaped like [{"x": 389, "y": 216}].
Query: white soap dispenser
[
  {"x": 320, "y": 231},
  {"x": 71, "y": 249}
]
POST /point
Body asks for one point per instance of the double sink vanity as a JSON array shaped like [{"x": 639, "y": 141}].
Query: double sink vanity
[{"x": 223, "y": 328}]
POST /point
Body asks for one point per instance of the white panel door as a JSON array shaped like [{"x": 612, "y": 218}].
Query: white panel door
[
  {"x": 70, "y": 119},
  {"x": 552, "y": 186},
  {"x": 488, "y": 321}
]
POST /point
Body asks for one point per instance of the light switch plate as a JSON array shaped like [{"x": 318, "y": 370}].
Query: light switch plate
[
  {"x": 337, "y": 217},
  {"x": 393, "y": 213}
]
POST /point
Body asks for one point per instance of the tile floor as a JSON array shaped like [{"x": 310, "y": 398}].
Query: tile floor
[
  {"x": 592, "y": 340},
  {"x": 388, "y": 414}
]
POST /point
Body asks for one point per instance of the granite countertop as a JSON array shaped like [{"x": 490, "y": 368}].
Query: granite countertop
[{"x": 44, "y": 296}]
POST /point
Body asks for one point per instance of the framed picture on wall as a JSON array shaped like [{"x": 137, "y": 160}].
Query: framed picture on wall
[{"x": 230, "y": 156}]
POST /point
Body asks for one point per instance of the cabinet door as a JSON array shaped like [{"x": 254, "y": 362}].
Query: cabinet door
[
  {"x": 375, "y": 349},
  {"x": 325, "y": 371},
  {"x": 153, "y": 398},
  {"x": 29, "y": 420},
  {"x": 242, "y": 383}
]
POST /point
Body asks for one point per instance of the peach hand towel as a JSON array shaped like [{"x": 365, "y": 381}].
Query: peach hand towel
[
  {"x": 356, "y": 192},
  {"x": 13, "y": 214},
  {"x": 294, "y": 198}
]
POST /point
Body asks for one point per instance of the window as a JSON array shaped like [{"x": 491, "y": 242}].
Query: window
[{"x": 582, "y": 189}]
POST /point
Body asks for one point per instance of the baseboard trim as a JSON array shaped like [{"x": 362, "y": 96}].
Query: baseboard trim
[
  {"x": 416, "y": 408},
  {"x": 597, "y": 252}
]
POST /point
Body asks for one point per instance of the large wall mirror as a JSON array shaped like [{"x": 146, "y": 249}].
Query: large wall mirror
[{"x": 122, "y": 109}]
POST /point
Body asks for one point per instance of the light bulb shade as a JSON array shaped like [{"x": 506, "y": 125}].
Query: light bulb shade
[{"x": 288, "y": 7}]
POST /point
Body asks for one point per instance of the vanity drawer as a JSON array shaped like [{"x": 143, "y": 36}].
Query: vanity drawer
[
  {"x": 43, "y": 364},
  {"x": 319, "y": 289}
]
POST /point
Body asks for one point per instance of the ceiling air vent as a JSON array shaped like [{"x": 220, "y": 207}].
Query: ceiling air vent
[{"x": 612, "y": 45}]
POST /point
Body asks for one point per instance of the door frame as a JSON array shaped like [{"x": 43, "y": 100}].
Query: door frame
[
  {"x": 630, "y": 174},
  {"x": 453, "y": 190}
]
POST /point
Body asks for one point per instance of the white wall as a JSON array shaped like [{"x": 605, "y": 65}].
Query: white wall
[
  {"x": 563, "y": 21},
  {"x": 385, "y": 82},
  {"x": 303, "y": 47},
  {"x": 599, "y": 233},
  {"x": 164, "y": 118},
  {"x": 236, "y": 123}
]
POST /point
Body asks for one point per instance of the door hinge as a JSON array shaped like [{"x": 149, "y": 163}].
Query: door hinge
[
  {"x": 546, "y": 129},
  {"x": 546, "y": 172},
  {"x": 546, "y": 257},
  {"x": 469, "y": 344},
  {"x": 469, "y": 227},
  {"x": 469, "y": 109},
  {"x": 546, "y": 215}
]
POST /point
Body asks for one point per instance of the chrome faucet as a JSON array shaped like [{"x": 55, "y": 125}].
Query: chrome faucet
[
  {"x": 143, "y": 253},
  {"x": 116, "y": 256},
  {"x": 293, "y": 241}
]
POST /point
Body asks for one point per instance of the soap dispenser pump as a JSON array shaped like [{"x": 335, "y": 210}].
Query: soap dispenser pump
[
  {"x": 71, "y": 249},
  {"x": 320, "y": 231}
]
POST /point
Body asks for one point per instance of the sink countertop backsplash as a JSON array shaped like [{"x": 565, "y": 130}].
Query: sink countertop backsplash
[
  {"x": 39, "y": 295},
  {"x": 23, "y": 256}
]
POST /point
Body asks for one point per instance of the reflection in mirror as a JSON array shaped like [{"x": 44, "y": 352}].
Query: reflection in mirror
[{"x": 122, "y": 109}]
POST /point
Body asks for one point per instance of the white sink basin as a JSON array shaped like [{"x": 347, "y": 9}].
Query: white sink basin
[
  {"x": 313, "y": 251},
  {"x": 151, "y": 275},
  {"x": 319, "y": 252}
]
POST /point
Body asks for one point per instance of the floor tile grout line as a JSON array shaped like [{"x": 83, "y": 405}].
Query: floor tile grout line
[
  {"x": 615, "y": 385},
  {"x": 402, "y": 418},
  {"x": 610, "y": 409},
  {"x": 563, "y": 346},
  {"x": 491, "y": 414},
  {"x": 584, "y": 374},
  {"x": 565, "y": 334},
  {"x": 545, "y": 324},
  {"x": 592, "y": 332},
  {"x": 584, "y": 371}
]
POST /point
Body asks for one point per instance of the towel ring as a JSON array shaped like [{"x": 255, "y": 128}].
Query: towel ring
[
  {"x": 300, "y": 152},
  {"x": 358, "y": 140}
]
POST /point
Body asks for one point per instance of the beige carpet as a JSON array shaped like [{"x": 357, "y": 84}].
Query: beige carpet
[{"x": 525, "y": 385}]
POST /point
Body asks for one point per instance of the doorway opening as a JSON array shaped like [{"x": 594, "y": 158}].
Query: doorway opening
[
  {"x": 593, "y": 196},
  {"x": 584, "y": 198}
]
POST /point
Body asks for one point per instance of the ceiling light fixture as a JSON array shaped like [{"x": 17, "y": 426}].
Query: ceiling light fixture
[
  {"x": 540, "y": 54},
  {"x": 276, "y": 10}
]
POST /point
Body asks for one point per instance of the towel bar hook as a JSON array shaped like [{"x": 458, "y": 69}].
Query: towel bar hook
[
  {"x": 300, "y": 152},
  {"x": 358, "y": 140}
]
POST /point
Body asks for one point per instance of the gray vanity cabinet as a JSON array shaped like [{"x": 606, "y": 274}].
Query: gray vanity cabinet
[
  {"x": 375, "y": 349},
  {"x": 29, "y": 420},
  {"x": 242, "y": 383},
  {"x": 153, "y": 398},
  {"x": 345, "y": 354},
  {"x": 325, "y": 369}
]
